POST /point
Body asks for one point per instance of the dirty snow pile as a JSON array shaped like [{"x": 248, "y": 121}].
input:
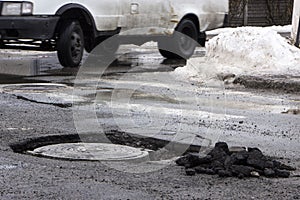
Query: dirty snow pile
[
  {"x": 245, "y": 51},
  {"x": 279, "y": 29}
]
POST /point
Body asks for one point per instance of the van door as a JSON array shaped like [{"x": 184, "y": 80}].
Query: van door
[
  {"x": 144, "y": 17},
  {"x": 213, "y": 14}
]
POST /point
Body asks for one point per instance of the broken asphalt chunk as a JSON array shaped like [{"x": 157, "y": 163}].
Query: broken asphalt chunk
[{"x": 241, "y": 164}]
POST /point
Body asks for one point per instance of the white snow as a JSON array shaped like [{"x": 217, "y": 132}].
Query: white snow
[
  {"x": 279, "y": 29},
  {"x": 17, "y": 53},
  {"x": 244, "y": 51}
]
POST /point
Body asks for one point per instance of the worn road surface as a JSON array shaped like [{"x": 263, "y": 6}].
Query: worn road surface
[{"x": 139, "y": 94}]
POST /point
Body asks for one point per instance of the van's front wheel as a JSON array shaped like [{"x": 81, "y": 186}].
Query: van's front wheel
[{"x": 70, "y": 44}]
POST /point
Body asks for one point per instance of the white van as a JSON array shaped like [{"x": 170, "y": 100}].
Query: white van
[
  {"x": 69, "y": 27},
  {"x": 296, "y": 23}
]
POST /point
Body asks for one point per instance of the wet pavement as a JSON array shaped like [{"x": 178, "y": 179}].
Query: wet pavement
[{"x": 137, "y": 94}]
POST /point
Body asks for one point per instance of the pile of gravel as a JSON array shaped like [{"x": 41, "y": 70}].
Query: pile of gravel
[{"x": 225, "y": 163}]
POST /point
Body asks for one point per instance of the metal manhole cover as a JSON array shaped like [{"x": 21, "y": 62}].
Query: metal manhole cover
[
  {"x": 92, "y": 152},
  {"x": 33, "y": 87}
]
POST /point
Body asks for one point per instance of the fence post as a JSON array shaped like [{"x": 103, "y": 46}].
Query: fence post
[
  {"x": 297, "y": 43},
  {"x": 296, "y": 23},
  {"x": 246, "y": 10}
]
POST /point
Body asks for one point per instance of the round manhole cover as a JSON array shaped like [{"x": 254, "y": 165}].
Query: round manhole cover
[
  {"x": 92, "y": 152},
  {"x": 33, "y": 87}
]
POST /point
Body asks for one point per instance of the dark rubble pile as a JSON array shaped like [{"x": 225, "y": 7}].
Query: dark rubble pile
[{"x": 225, "y": 163}]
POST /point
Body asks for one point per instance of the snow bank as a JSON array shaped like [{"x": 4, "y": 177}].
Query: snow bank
[
  {"x": 279, "y": 29},
  {"x": 245, "y": 51}
]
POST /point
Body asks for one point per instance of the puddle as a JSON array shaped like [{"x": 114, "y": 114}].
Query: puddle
[
  {"x": 135, "y": 95},
  {"x": 21, "y": 67},
  {"x": 25, "y": 66},
  {"x": 44, "y": 93},
  {"x": 32, "y": 88},
  {"x": 30, "y": 66},
  {"x": 154, "y": 97}
]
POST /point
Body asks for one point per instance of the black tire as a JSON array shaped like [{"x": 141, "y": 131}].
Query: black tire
[
  {"x": 2, "y": 44},
  {"x": 182, "y": 44},
  {"x": 70, "y": 44}
]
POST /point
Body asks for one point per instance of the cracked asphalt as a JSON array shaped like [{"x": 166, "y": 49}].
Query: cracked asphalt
[{"x": 139, "y": 95}]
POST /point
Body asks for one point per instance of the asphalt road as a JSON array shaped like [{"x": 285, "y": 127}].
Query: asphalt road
[{"x": 137, "y": 94}]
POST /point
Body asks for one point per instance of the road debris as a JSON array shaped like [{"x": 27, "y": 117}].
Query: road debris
[{"x": 226, "y": 163}]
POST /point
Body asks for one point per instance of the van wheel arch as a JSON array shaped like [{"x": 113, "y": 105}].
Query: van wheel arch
[
  {"x": 84, "y": 17},
  {"x": 193, "y": 18},
  {"x": 202, "y": 35},
  {"x": 183, "y": 42}
]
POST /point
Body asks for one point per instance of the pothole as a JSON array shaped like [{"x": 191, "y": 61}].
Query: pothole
[
  {"x": 90, "y": 147},
  {"x": 44, "y": 93},
  {"x": 32, "y": 88},
  {"x": 108, "y": 94}
]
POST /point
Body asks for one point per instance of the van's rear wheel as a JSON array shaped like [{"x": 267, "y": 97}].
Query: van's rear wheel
[
  {"x": 183, "y": 43},
  {"x": 70, "y": 44}
]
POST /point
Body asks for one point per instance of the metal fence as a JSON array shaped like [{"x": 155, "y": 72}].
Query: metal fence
[{"x": 260, "y": 12}]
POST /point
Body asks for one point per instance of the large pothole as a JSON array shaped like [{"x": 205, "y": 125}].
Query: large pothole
[
  {"x": 133, "y": 153},
  {"x": 90, "y": 147},
  {"x": 32, "y": 88},
  {"x": 44, "y": 93}
]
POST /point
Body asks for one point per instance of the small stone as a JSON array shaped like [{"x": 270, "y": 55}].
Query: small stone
[
  {"x": 210, "y": 172},
  {"x": 217, "y": 164},
  {"x": 229, "y": 161},
  {"x": 282, "y": 173},
  {"x": 255, "y": 174},
  {"x": 256, "y": 163},
  {"x": 269, "y": 164},
  {"x": 190, "y": 172},
  {"x": 224, "y": 173},
  {"x": 187, "y": 159},
  {"x": 236, "y": 149},
  {"x": 223, "y": 146},
  {"x": 217, "y": 169},
  {"x": 256, "y": 151},
  {"x": 240, "y": 158},
  {"x": 296, "y": 197},
  {"x": 192, "y": 159},
  {"x": 200, "y": 170},
  {"x": 282, "y": 166},
  {"x": 240, "y": 176},
  {"x": 240, "y": 169},
  {"x": 269, "y": 173}
]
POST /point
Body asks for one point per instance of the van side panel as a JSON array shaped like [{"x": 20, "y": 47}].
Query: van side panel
[
  {"x": 106, "y": 12},
  {"x": 210, "y": 13}
]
